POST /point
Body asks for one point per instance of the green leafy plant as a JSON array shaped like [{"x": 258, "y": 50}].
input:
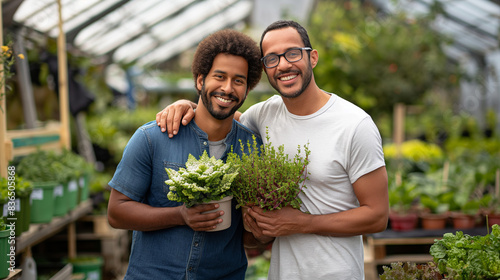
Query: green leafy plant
[
  {"x": 42, "y": 166},
  {"x": 268, "y": 178},
  {"x": 23, "y": 187},
  {"x": 201, "y": 181},
  {"x": 470, "y": 257},
  {"x": 4, "y": 191},
  {"x": 76, "y": 164},
  {"x": 403, "y": 196},
  {"x": 491, "y": 204}
]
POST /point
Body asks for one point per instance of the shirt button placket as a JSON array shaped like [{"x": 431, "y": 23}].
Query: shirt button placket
[{"x": 195, "y": 255}]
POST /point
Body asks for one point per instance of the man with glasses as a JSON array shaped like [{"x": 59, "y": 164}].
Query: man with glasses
[{"x": 346, "y": 194}]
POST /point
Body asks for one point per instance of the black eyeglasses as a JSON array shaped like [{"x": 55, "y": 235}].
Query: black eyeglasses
[{"x": 291, "y": 55}]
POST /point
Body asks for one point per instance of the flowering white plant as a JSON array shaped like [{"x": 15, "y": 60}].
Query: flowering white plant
[{"x": 201, "y": 181}]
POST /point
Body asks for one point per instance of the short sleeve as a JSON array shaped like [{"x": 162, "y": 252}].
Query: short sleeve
[
  {"x": 133, "y": 174},
  {"x": 366, "y": 153}
]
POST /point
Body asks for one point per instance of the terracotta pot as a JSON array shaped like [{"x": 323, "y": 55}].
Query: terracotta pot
[
  {"x": 463, "y": 221},
  {"x": 433, "y": 221},
  {"x": 493, "y": 219},
  {"x": 403, "y": 222}
]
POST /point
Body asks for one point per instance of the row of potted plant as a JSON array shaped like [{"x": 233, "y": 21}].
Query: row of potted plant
[
  {"x": 465, "y": 189},
  {"x": 47, "y": 184}
]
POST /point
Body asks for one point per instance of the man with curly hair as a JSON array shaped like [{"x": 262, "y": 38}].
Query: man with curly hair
[{"x": 171, "y": 241}]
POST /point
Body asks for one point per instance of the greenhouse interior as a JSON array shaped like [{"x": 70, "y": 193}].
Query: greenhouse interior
[{"x": 79, "y": 78}]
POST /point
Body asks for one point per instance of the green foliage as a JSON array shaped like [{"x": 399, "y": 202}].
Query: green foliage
[
  {"x": 470, "y": 257},
  {"x": 456, "y": 257},
  {"x": 112, "y": 129},
  {"x": 23, "y": 187},
  {"x": 258, "y": 269},
  {"x": 50, "y": 166},
  {"x": 378, "y": 61},
  {"x": 403, "y": 196},
  {"x": 4, "y": 192},
  {"x": 201, "y": 181},
  {"x": 435, "y": 195},
  {"x": 76, "y": 164},
  {"x": 41, "y": 166},
  {"x": 268, "y": 177}
]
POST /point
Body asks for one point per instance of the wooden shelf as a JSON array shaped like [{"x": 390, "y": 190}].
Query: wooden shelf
[{"x": 39, "y": 232}]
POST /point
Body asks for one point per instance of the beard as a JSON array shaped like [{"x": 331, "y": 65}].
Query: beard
[
  {"x": 211, "y": 108},
  {"x": 307, "y": 77}
]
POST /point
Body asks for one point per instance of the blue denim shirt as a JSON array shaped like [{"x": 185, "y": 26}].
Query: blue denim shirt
[{"x": 177, "y": 252}]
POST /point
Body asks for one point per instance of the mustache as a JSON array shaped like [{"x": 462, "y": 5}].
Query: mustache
[
  {"x": 298, "y": 72},
  {"x": 225, "y": 95}
]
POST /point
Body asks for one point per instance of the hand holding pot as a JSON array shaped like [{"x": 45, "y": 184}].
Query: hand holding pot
[
  {"x": 275, "y": 223},
  {"x": 199, "y": 221}
]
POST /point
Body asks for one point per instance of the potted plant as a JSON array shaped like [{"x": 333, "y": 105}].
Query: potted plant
[
  {"x": 403, "y": 198},
  {"x": 435, "y": 199},
  {"x": 78, "y": 168},
  {"x": 4, "y": 249},
  {"x": 16, "y": 191},
  {"x": 491, "y": 208},
  {"x": 468, "y": 193},
  {"x": 23, "y": 208},
  {"x": 267, "y": 177},
  {"x": 207, "y": 180},
  {"x": 38, "y": 168}
]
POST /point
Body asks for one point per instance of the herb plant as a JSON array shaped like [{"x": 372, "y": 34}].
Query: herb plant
[
  {"x": 268, "y": 178},
  {"x": 201, "y": 181},
  {"x": 469, "y": 257}
]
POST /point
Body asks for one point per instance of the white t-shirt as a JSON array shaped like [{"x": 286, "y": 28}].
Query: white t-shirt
[{"x": 345, "y": 144}]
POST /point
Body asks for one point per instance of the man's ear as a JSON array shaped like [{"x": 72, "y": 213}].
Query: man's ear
[
  {"x": 314, "y": 58},
  {"x": 199, "y": 82}
]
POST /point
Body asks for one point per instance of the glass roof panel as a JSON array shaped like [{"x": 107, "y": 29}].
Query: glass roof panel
[
  {"x": 141, "y": 28},
  {"x": 226, "y": 18},
  {"x": 123, "y": 24},
  {"x": 205, "y": 14},
  {"x": 473, "y": 24}
]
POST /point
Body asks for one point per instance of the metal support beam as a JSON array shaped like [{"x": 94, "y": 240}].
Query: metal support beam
[{"x": 25, "y": 86}]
